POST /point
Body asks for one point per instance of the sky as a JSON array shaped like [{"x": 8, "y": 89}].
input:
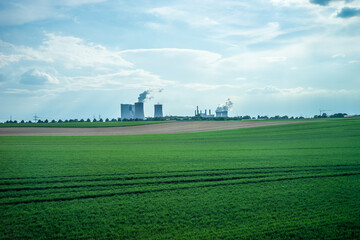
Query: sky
[{"x": 82, "y": 58}]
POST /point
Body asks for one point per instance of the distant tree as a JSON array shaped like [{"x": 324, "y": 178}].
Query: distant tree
[
  {"x": 53, "y": 121},
  {"x": 39, "y": 121},
  {"x": 66, "y": 121},
  {"x": 22, "y": 121},
  {"x": 60, "y": 121},
  {"x": 46, "y": 121},
  {"x": 94, "y": 120},
  {"x": 29, "y": 121},
  {"x": 82, "y": 120},
  {"x": 114, "y": 120},
  {"x": 88, "y": 120},
  {"x": 101, "y": 120},
  {"x": 107, "y": 120},
  {"x": 338, "y": 115}
]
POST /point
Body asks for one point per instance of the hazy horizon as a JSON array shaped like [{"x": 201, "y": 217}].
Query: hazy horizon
[{"x": 80, "y": 58}]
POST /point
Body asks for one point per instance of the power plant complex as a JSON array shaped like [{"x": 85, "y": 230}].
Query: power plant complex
[
  {"x": 221, "y": 110},
  {"x": 136, "y": 110}
]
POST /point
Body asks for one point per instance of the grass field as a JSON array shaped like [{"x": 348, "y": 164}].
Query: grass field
[
  {"x": 298, "y": 181},
  {"x": 81, "y": 124}
]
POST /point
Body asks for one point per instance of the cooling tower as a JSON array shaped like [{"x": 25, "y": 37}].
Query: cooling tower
[
  {"x": 127, "y": 111},
  {"x": 158, "y": 110},
  {"x": 139, "y": 110},
  {"x": 222, "y": 113}
]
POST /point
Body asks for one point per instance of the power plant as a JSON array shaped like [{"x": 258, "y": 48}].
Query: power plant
[
  {"x": 203, "y": 114},
  {"x": 136, "y": 110},
  {"x": 221, "y": 111}
]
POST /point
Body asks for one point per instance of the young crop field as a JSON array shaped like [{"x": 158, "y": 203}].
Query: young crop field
[{"x": 296, "y": 181}]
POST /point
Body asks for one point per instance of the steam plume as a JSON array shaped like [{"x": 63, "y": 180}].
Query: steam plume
[
  {"x": 146, "y": 94},
  {"x": 225, "y": 107}
]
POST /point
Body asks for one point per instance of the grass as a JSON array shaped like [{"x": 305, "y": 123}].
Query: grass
[
  {"x": 82, "y": 124},
  {"x": 298, "y": 181}
]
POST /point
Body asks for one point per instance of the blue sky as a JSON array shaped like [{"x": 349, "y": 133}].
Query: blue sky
[{"x": 80, "y": 58}]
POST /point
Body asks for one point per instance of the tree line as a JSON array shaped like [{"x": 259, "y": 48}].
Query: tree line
[{"x": 180, "y": 118}]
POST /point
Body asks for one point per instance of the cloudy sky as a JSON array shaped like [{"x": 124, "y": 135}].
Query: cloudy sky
[{"x": 80, "y": 58}]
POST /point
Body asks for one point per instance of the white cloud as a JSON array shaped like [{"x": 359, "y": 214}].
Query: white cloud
[
  {"x": 36, "y": 77},
  {"x": 207, "y": 87},
  {"x": 199, "y": 57},
  {"x": 291, "y": 3},
  {"x": 275, "y": 59},
  {"x": 74, "y": 52},
  {"x": 173, "y": 14},
  {"x": 339, "y": 55},
  {"x": 124, "y": 79},
  {"x": 79, "y": 2},
  {"x": 68, "y": 51},
  {"x": 18, "y": 12},
  {"x": 293, "y": 92},
  {"x": 253, "y": 35}
]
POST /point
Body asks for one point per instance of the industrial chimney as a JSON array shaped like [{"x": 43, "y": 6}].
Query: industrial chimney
[
  {"x": 139, "y": 110},
  {"x": 158, "y": 110}
]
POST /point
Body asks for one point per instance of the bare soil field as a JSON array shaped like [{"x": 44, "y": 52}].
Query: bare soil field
[{"x": 174, "y": 127}]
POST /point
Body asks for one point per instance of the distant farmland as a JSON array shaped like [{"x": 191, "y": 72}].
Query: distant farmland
[{"x": 296, "y": 181}]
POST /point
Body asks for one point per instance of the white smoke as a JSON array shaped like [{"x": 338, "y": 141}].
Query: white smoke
[
  {"x": 147, "y": 94},
  {"x": 225, "y": 107}
]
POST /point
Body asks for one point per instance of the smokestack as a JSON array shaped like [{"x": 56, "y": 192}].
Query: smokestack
[
  {"x": 197, "y": 110},
  {"x": 139, "y": 110},
  {"x": 158, "y": 110}
]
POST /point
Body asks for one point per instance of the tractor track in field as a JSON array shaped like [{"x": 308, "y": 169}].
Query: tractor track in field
[
  {"x": 159, "y": 128},
  {"x": 184, "y": 171},
  {"x": 93, "y": 196},
  {"x": 160, "y": 183},
  {"x": 148, "y": 177}
]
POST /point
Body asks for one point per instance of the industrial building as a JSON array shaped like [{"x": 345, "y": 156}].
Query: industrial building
[
  {"x": 158, "y": 112},
  {"x": 203, "y": 114}
]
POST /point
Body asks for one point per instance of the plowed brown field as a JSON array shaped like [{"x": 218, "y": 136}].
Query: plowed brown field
[{"x": 173, "y": 127}]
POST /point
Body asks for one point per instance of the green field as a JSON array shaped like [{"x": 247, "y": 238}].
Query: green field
[
  {"x": 82, "y": 124},
  {"x": 297, "y": 181}
]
